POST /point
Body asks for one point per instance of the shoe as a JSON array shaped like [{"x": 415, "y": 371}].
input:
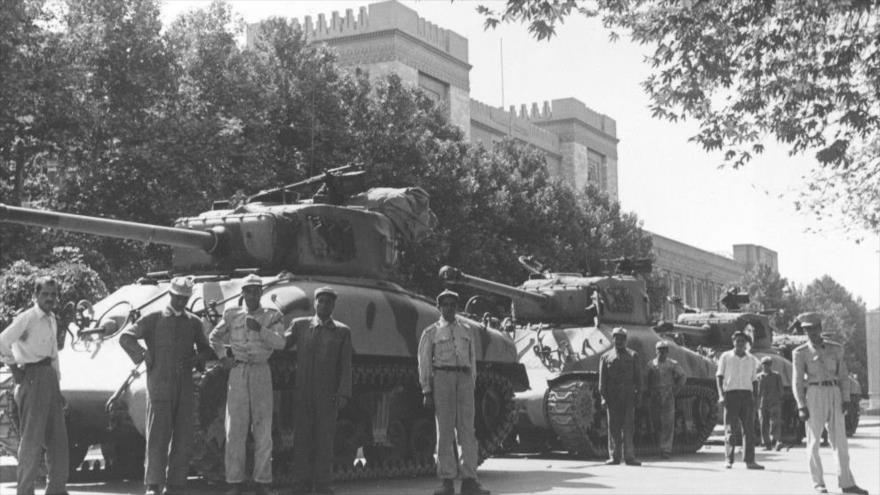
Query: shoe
[
  {"x": 612, "y": 462},
  {"x": 855, "y": 489},
  {"x": 754, "y": 465},
  {"x": 780, "y": 446},
  {"x": 767, "y": 447},
  {"x": 234, "y": 489},
  {"x": 447, "y": 487},
  {"x": 728, "y": 465},
  {"x": 820, "y": 489},
  {"x": 470, "y": 486},
  {"x": 262, "y": 489},
  {"x": 665, "y": 455},
  {"x": 152, "y": 490},
  {"x": 632, "y": 462},
  {"x": 324, "y": 490}
]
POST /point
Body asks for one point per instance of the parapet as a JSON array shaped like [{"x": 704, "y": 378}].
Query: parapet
[
  {"x": 566, "y": 108},
  {"x": 509, "y": 123}
]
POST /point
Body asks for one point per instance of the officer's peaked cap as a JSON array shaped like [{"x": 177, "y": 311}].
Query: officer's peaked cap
[
  {"x": 252, "y": 281},
  {"x": 662, "y": 344},
  {"x": 325, "y": 291},
  {"x": 182, "y": 286},
  {"x": 766, "y": 360},
  {"x": 447, "y": 294},
  {"x": 740, "y": 333},
  {"x": 810, "y": 319},
  {"x": 618, "y": 331}
]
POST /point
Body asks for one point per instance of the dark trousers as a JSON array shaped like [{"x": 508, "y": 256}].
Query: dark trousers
[
  {"x": 621, "y": 417},
  {"x": 170, "y": 436},
  {"x": 313, "y": 433},
  {"x": 771, "y": 424},
  {"x": 739, "y": 416},
  {"x": 41, "y": 418}
]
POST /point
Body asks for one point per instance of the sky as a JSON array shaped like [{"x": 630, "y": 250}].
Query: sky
[{"x": 674, "y": 186}]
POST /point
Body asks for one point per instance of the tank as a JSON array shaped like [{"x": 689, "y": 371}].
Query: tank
[
  {"x": 710, "y": 333},
  {"x": 561, "y": 324},
  {"x": 347, "y": 241}
]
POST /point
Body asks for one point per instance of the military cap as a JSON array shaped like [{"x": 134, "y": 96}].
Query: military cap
[
  {"x": 182, "y": 286},
  {"x": 325, "y": 291},
  {"x": 810, "y": 319},
  {"x": 447, "y": 294},
  {"x": 618, "y": 331},
  {"x": 740, "y": 333},
  {"x": 662, "y": 344},
  {"x": 252, "y": 281},
  {"x": 766, "y": 360}
]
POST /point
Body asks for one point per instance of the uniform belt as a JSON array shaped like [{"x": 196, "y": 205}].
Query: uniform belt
[
  {"x": 242, "y": 361},
  {"x": 42, "y": 362},
  {"x": 826, "y": 383},
  {"x": 458, "y": 369}
]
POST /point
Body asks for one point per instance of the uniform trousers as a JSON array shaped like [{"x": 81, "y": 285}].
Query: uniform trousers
[
  {"x": 313, "y": 435},
  {"x": 249, "y": 408},
  {"x": 454, "y": 411},
  {"x": 770, "y": 418},
  {"x": 825, "y": 407},
  {"x": 41, "y": 418},
  {"x": 739, "y": 417},
  {"x": 664, "y": 418},
  {"x": 621, "y": 423},
  {"x": 170, "y": 433}
]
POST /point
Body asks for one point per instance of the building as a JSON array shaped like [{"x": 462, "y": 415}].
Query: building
[{"x": 872, "y": 329}]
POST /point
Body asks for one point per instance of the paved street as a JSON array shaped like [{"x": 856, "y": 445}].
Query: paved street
[{"x": 702, "y": 472}]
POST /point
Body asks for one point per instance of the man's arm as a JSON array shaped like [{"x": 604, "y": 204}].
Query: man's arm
[
  {"x": 603, "y": 376},
  {"x": 291, "y": 335},
  {"x": 679, "y": 375},
  {"x": 272, "y": 334},
  {"x": 719, "y": 376},
  {"x": 12, "y": 333},
  {"x": 842, "y": 376},
  {"x": 203, "y": 347},
  {"x": 426, "y": 359},
  {"x": 219, "y": 337},
  {"x": 345, "y": 352},
  {"x": 129, "y": 337},
  {"x": 798, "y": 370}
]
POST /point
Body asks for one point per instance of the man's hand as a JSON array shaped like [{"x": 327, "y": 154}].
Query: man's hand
[
  {"x": 428, "y": 400},
  {"x": 804, "y": 414},
  {"x": 252, "y": 324},
  {"x": 721, "y": 399},
  {"x": 845, "y": 406}
]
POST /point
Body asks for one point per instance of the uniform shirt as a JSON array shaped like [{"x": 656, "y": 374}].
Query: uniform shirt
[
  {"x": 739, "y": 372},
  {"x": 31, "y": 337},
  {"x": 814, "y": 364},
  {"x": 769, "y": 389},
  {"x": 170, "y": 337},
  {"x": 247, "y": 345},
  {"x": 665, "y": 375},
  {"x": 619, "y": 374},
  {"x": 445, "y": 343},
  {"x": 323, "y": 355}
]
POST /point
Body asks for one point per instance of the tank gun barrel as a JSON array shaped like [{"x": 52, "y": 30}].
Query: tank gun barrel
[
  {"x": 456, "y": 276},
  {"x": 172, "y": 236}
]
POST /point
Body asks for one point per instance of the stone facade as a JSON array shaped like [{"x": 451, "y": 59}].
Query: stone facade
[
  {"x": 872, "y": 330},
  {"x": 751, "y": 255}
]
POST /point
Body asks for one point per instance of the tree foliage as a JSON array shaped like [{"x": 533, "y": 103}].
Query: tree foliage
[{"x": 806, "y": 73}]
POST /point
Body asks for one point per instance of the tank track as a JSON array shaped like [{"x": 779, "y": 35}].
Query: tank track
[
  {"x": 208, "y": 452},
  {"x": 574, "y": 410}
]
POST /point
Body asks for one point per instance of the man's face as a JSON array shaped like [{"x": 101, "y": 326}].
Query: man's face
[
  {"x": 324, "y": 305},
  {"x": 620, "y": 341},
  {"x": 739, "y": 344},
  {"x": 662, "y": 353},
  {"x": 814, "y": 332},
  {"x": 252, "y": 294},
  {"x": 47, "y": 297},
  {"x": 178, "y": 302},
  {"x": 767, "y": 367},
  {"x": 448, "y": 306}
]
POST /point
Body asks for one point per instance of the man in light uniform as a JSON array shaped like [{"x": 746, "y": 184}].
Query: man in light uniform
[
  {"x": 770, "y": 404},
  {"x": 620, "y": 384},
  {"x": 665, "y": 378},
  {"x": 447, "y": 375},
  {"x": 252, "y": 333},
  {"x": 29, "y": 345},
  {"x": 171, "y": 335},
  {"x": 821, "y": 387},
  {"x": 736, "y": 379}
]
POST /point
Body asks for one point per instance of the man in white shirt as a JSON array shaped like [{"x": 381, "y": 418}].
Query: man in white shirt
[
  {"x": 736, "y": 377},
  {"x": 30, "y": 344}
]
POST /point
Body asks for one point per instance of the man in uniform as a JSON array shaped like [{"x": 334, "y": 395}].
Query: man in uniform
[
  {"x": 323, "y": 387},
  {"x": 620, "y": 383},
  {"x": 170, "y": 335},
  {"x": 447, "y": 375},
  {"x": 821, "y": 387},
  {"x": 665, "y": 378},
  {"x": 736, "y": 379},
  {"x": 252, "y": 333},
  {"x": 770, "y": 404},
  {"x": 30, "y": 346}
]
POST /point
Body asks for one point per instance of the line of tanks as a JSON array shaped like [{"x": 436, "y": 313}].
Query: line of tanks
[{"x": 537, "y": 373}]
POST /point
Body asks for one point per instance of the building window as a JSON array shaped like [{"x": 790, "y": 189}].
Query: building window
[
  {"x": 597, "y": 170},
  {"x": 690, "y": 292},
  {"x": 436, "y": 89}
]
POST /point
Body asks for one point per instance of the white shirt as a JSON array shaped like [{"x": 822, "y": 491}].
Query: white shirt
[
  {"x": 739, "y": 372},
  {"x": 31, "y": 337}
]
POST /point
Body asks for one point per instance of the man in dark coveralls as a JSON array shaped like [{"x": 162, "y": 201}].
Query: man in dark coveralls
[
  {"x": 620, "y": 383},
  {"x": 170, "y": 336},
  {"x": 323, "y": 387}
]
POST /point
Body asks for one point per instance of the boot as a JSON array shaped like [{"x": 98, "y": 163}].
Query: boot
[
  {"x": 470, "y": 486},
  {"x": 446, "y": 488},
  {"x": 152, "y": 490}
]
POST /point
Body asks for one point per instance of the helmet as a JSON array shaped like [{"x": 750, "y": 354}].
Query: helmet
[
  {"x": 182, "y": 286},
  {"x": 447, "y": 294},
  {"x": 328, "y": 291},
  {"x": 661, "y": 344},
  {"x": 252, "y": 281},
  {"x": 618, "y": 331}
]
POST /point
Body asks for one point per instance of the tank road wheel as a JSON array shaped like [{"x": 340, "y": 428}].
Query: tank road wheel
[
  {"x": 696, "y": 414},
  {"x": 495, "y": 412},
  {"x": 571, "y": 407},
  {"x": 209, "y": 439}
]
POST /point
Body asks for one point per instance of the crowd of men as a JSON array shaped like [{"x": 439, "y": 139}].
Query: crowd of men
[{"x": 174, "y": 343}]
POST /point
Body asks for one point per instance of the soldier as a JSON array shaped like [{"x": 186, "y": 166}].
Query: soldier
[
  {"x": 770, "y": 404},
  {"x": 252, "y": 332},
  {"x": 620, "y": 383},
  {"x": 170, "y": 336},
  {"x": 821, "y": 387},
  {"x": 736, "y": 379},
  {"x": 447, "y": 375},
  {"x": 323, "y": 388},
  {"x": 665, "y": 378},
  {"x": 29, "y": 345}
]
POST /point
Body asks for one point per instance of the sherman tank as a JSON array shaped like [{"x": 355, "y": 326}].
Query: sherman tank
[
  {"x": 710, "y": 333},
  {"x": 562, "y": 323},
  {"x": 349, "y": 242}
]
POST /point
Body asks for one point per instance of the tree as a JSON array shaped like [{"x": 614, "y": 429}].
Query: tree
[
  {"x": 805, "y": 73},
  {"x": 770, "y": 291}
]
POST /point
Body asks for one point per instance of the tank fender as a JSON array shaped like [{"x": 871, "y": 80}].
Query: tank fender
[{"x": 572, "y": 374}]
